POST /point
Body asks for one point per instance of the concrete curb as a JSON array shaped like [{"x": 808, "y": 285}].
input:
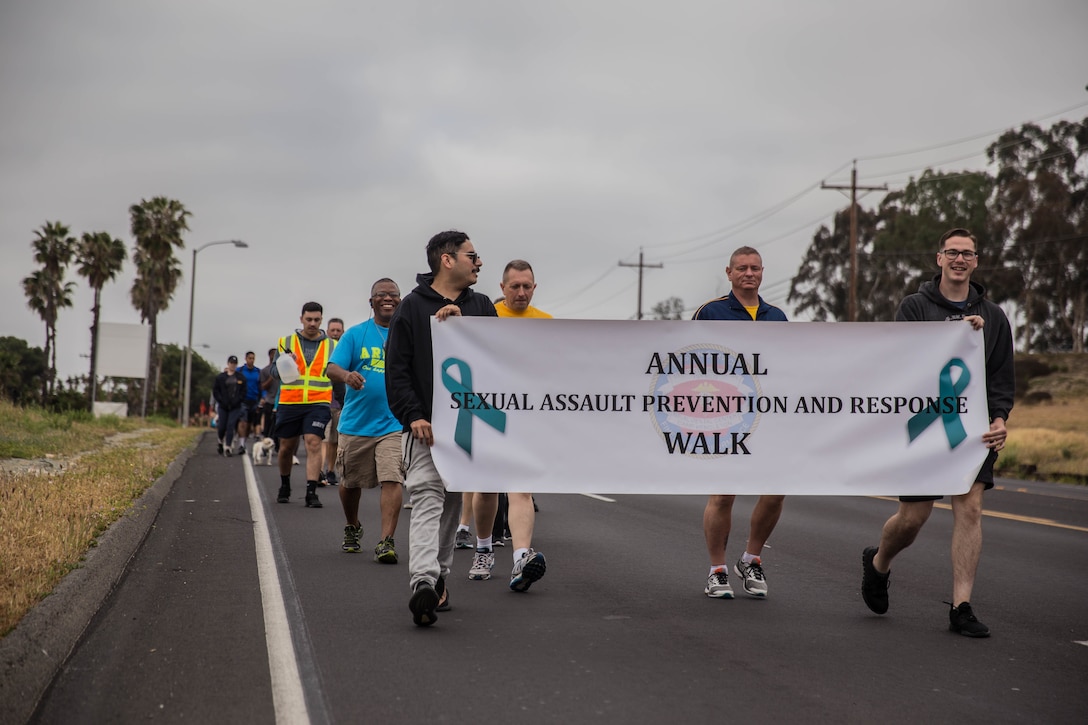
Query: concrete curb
[{"x": 33, "y": 653}]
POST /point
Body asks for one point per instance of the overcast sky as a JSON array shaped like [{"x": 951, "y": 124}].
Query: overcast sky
[{"x": 336, "y": 138}]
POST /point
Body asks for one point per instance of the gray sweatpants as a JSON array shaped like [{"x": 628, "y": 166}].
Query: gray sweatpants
[{"x": 435, "y": 515}]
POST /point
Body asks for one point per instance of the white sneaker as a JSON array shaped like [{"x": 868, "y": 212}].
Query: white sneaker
[
  {"x": 481, "y": 565},
  {"x": 527, "y": 569},
  {"x": 751, "y": 574},
  {"x": 717, "y": 586}
]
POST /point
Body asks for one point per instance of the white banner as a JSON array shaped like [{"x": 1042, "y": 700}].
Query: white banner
[{"x": 699, "y": 407}]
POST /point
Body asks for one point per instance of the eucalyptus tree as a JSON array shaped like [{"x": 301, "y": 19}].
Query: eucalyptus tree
[
  {"x": 897, "y": 246},
  {"x": 821, "y": 288},
  {"x": 100, "y": 258},
  {"x": 46, "y": 291},
  {"x": 1040, "y": 210},
  {"x": 157, "y": 225}
]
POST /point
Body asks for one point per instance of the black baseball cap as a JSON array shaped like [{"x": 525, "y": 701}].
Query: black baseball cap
[{"x": 232, "y": 359}]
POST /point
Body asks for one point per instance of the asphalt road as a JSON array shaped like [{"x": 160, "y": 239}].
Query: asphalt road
[{"x": 617, "y": 631}]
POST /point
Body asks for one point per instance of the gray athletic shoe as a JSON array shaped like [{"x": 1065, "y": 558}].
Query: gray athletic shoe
[
  {"x": 528, "y": 569},
  {"x": 717, "y": 586},
  {"x": 751, "y": 575},
  {"x": 464, "y": 539},
  {"x": 481, "y": 565}
]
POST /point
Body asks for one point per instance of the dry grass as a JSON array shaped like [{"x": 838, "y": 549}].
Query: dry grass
[
  {"x": 47, "y": 523},
  {"x": 1048, "y": 441}
]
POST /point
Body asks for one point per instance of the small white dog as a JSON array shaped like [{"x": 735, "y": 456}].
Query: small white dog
[{"x": 263, "y": 451}]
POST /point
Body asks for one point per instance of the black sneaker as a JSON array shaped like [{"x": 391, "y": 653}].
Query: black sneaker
[
  {"x": 284, "y": 495},
  {"x": 423, "y": 605},
  {"x": 229, "y": 452},
  {"x": 962, "y": 620},
  {"x": 443, "y": 595},
  {"x": 321, "y": 479},
  {"x": 219, "y": 448},
  {"x": 312, "y": 501},
  {"x": 874, "y": 585},
  {"x": 331, "y": 479}
]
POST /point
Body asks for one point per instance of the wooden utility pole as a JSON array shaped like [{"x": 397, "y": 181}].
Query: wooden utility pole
[
  {"x": 852, "y": 304},
  {"x": 641, "y": 266}
]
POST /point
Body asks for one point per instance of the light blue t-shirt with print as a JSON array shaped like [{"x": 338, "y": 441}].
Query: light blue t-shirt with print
[{"x": 366, "y": 412}]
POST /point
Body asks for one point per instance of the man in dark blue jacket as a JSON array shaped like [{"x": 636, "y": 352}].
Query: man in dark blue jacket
[
  {"x": 745, "y": 272},
  {"x": 442, "y": 293}
]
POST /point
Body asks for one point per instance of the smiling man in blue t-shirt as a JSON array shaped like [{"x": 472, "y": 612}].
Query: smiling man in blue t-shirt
[{"x": 368, "y": 453}]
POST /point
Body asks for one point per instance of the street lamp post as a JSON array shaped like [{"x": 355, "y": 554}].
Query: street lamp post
[{"x": 189, "y": 344}]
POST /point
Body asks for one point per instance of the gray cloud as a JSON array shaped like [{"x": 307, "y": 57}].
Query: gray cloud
[{"x": 337, "y": 137}]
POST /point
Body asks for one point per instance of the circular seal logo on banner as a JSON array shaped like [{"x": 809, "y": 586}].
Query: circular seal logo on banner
[{"x": 692, "y": 406}]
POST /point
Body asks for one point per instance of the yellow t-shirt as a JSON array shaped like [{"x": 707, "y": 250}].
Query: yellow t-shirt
[
  {"x": 530, "y": 312},
  {"x": 752, "y": 310}
]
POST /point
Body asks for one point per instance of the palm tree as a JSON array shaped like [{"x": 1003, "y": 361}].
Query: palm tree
[
  {"x": 100, "y": 258},
  {"x": 157, "y": 225},
  {"x": 47, "y": 292}
]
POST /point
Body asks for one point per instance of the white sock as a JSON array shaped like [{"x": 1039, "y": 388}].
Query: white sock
[
  {"x": 718, "y": 568},
  {"x": 483, "y": 543},
  {"x": 462, "y": 527},
  {"x": 518, "y": 553},
  {"x": 749, "y": 558}
]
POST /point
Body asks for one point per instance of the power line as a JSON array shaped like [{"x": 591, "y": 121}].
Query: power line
[
  {"x": 720, "y": 235},
  {"x": 967, "y": 138}
]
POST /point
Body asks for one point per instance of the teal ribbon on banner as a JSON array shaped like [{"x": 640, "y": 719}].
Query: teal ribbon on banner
[
  {"x": 953, "y": 428},
  {"x": 462, "y": 432}
]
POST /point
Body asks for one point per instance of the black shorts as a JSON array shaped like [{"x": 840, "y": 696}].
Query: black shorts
[
  {"x": 295, "y": 420},
  {"x": 251, "y": 414},
  {"x": 985, "y": 476}
]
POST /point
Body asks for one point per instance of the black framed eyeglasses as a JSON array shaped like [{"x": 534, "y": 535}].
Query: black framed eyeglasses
[{"x": 967, "y": 254}]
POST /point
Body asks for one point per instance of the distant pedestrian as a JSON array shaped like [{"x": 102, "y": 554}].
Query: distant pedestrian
[
  {"x": 270, "y": 392},
  {"x": 250, "y": 415},
  {"x": 229, "y": 390},
  {"x": 335, "y": 330}
]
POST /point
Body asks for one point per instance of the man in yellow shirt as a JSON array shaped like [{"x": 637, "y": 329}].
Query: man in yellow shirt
[{"x": 518, "y": 285}]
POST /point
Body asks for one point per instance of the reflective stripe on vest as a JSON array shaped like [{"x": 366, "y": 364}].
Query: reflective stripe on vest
[{"x": 312, "y": 385}]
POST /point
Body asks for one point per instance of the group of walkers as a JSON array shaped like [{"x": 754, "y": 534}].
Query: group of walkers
[{"x": 369, "y": 389}]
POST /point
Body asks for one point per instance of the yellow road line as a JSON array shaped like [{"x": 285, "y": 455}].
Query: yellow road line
[{"x": 1003, "y": 515}]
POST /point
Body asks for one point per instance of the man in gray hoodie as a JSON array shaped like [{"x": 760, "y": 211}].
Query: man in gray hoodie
[{"x": 951, "y": 295}]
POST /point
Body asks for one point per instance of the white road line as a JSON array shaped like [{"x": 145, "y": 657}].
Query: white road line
[
  {"x": 1085, "y": 643},
  {"x": 600, "y": 498},
  {"x": 287, "y": 696}
]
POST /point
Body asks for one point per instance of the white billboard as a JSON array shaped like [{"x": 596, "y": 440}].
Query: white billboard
[{"x": 122, "y": 349}]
